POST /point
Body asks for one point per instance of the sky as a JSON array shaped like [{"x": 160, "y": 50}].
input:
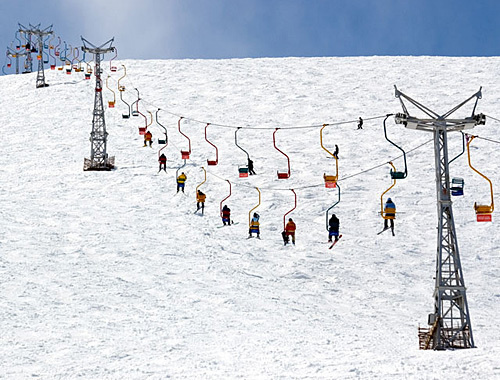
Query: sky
[{"x": 202, "y": 29}]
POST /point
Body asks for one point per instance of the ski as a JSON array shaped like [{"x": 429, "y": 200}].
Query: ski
[
  {"x": 226, "y": 225},
  {"x": 385, "y": 229},
  {"x": 335, "y": 242}
]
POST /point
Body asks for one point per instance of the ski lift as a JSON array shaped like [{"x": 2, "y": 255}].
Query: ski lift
[
  {"x": 395, "y": 174},
  {"x": 242, "y": 170},
  {"x": 121, "y": 89},
  {"x": 389, "y": 213},
  {"x": 212, "y": 162},
  {"x": 111, "y": 103},
  {"x": 330, "y": 180},
  {"x": 204, "y": 180},
  {"x": 184, "y": 153},
  {"x": 56, "y": 50},
  {"x": 53, "y": 65},
  {"x": 281, "y": 175},
  {"x": 88, "y": 73},
  {"x": 483, "y": 212},
  {"x": 294, "y": 207},
  {"x": 9, "y": 64},
  {"x": 222, "y": 201},
  {"x": 332, "y": 206},
  {"x": 18, "y": 46},
  {"x": 136, "y": 112},
  {"x": 457, "y": 184},
  {"x": 142, "y": 131},
  {"x": 111, "y": 67},
  {"x": 250, "y": 216},
  {"x": 161, "y": 141}
]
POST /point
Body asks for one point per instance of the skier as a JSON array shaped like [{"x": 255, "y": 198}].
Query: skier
[
  {"x": 333, "y": 230},
  {"x": 181, "y": 180},
  {"x": 250, "y": 167},
  {"x": 200, "y": 201},
  {"x": 148, "y": 138},
  {"x": 254, "y": 226},
  {"x": 360, "y": 123},
  {"x": 163, "y": 162},
  {"x": 390, "y": 214},
  {"x": 336, "y": 153},
  {"x": 226, "y": 215},
  {"x": 289, "y": 231}
]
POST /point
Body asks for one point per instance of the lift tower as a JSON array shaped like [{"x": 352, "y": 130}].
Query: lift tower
[
  {"x": 99, "y": 159},
  {"x": 450, "y": 325},
  {"x": 27, "y": 35},
  {"x": 40, "y": 78},
  {"x": 16, "y": 54}
]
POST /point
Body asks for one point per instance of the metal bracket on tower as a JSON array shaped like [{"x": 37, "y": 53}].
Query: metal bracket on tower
[
  {"x": 450, "y": 325},
  {"x": 99, "y": 159}
]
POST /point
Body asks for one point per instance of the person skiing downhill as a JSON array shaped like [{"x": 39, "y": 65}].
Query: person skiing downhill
[
  {"x": 289, "y": 231},
  {"x": 226, "y": 215},
  {"x": 254, "y": 226},
  {"x": 390, "y": 215},
  {"x": 333, "y": 230}
]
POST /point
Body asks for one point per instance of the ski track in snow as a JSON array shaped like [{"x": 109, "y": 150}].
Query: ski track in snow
[{"x": 110, "y": 275}]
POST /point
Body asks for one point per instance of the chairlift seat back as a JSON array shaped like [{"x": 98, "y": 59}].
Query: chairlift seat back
[
  {"x": 125, "y": 116},
  {"x": 111, "y": 104},
  {"x": 162, "y": 142},
  {"x": 142, "y": 130},
  {"x": 284, "y": 175},
  {"x": 185, "y": 154},
  {"x": 483, "y": 209},
  {"x": 243, "y": 171},
  {"x": 397, "y": 175},
  {"x": 211, "y": 162},
  {"x": 389, "y": 213}
]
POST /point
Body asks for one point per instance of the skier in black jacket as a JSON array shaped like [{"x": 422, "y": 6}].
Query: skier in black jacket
[{"x": 334, "y": 225}]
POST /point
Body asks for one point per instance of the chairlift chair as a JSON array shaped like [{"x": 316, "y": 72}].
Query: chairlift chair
[
  {"x": 483, "y": 212},
  {"x": 457, "y": 186},
  {"x": 281, "y": 175},
  {"x": 184, "y": 153}
]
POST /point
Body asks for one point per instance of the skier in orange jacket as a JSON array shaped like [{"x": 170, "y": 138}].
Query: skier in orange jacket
[{"x": 289, "y": 231}]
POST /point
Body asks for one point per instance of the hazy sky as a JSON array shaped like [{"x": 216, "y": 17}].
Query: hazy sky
[{"x": 147, "y": 29}]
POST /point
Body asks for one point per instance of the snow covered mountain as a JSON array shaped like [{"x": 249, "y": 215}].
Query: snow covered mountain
[{"x": 110, "y": 275}]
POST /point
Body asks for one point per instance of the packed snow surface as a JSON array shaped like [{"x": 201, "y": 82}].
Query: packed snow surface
[{"x": 111, "y": 275}]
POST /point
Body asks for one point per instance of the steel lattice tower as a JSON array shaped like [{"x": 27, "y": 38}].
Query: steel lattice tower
[
  {"x": 29, "y": 62},
  {"x": 450, "y": 325},
  {"x": 40, "y": 78},
  {"x": 99, "y": 159}
]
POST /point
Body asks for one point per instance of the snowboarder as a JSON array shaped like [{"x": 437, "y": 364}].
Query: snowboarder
[
  {"x": 390, "y": 215},
  {"x": 250, "y": 167},
  {"x": 360, "y": 123},
  {"x": 200, "y": 201},
  {"x": 333, "y": 230},
  {"x": 254, "y": 226},
  {"x": 148, "y": 138},
  {"x": 181, "y": 180},
  {"x": 163, "y": 162},
  {"x": 226, "y": 215},
  {"x": 289, "y": 231}
]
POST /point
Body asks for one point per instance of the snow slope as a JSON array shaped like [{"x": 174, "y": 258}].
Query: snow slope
[{"x": 110, "y": 275}]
